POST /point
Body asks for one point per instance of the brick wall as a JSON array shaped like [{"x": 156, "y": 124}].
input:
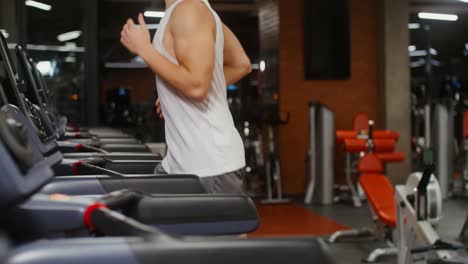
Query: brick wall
[{"x": 345, "y": 98}]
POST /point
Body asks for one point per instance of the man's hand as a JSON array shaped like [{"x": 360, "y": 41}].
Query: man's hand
[
  {"x": 158, "y": 109},
  {"x": 135, "y": 39}
]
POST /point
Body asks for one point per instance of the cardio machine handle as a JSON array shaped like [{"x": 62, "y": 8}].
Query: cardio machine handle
[
  {"x": 72, "y": 147},
  {"x": 425, "y": 179},
  {"x": 421, "y": 199},
  {"x": 121, "y": 200},
  {"x": 104, "y": 221},
  {"x": 85, "y": 166},
  {"x": 106, "y": 216}
]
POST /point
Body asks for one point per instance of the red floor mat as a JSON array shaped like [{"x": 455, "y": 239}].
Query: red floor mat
[{"x": 293, "y": 220}]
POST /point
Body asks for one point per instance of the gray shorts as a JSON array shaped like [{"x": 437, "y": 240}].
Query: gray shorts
[{"x": 227, "y": 183}]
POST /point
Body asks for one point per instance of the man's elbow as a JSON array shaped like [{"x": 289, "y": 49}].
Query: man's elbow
[
  {"x": 246, "y": 66},
  {"x": 199, "y": 92}
]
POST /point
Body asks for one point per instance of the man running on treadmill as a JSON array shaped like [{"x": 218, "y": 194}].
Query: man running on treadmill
[{"x": 195, "y": 56}]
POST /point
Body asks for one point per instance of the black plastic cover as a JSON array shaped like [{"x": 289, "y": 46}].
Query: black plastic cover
[
  {"x": 230, "y": 251},
  {"x": 160, "y": 184}
]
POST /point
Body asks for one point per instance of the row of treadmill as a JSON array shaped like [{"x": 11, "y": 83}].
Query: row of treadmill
[{"x": 89, "y": 195}]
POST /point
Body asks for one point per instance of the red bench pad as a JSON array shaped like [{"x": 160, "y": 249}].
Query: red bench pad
[
  {"x": 380, "y": 193},
  {"x": 360, "y": 145}
]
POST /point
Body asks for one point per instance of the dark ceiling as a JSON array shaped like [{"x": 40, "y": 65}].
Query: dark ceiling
[
  {"x": 239, "y": 15},
  {"x": 439, "y": 6},
  {"x": 433, "y": 1},
  {"x": 43, "y": 27},
  {"x": 448, "y": 38},
  {"x": 67, "y": 15}
]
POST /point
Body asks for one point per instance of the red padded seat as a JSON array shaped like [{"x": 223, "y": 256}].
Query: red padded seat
[
  {"x": 380, "y": 193},
  {"x": 378, "y": 189}
]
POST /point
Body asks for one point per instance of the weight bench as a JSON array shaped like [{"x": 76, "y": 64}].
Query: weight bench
[
  {"x": 355, "y": 146},
  {"x": 355, "y": 142},
  {"x": 378, "y": 189},
  {"x": 380, "y": 194}
]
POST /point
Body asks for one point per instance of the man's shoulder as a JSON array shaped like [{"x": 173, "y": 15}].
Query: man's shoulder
[
  {"x": 190, "y": 14},
  {"x": 191, "y": 8}
]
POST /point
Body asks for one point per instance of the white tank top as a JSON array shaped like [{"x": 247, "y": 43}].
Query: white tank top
[{"x": 201, "y": 137}]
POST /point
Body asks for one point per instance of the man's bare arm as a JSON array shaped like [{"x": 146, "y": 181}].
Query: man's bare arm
[
  {"x": 236, "y": 63},
  {"x": 192, "y": 29}
]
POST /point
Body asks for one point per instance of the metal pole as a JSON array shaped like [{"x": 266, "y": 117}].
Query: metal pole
[
  {"x": 311, "y": 155},
  {"x": 427, "y": 126},
  {"x": 91, "y": 89}
]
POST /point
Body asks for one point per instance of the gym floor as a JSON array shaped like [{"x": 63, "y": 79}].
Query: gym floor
[{"x": 295, "y": 220}]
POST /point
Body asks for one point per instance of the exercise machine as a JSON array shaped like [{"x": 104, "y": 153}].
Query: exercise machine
[
  {"x": 31, "y": 217},
  {"x": 379, "y": 192},
  {"x": 417, "y": 239},
  {"x": 183, "y": 213},
  {"x": 319, "y": 160},
  {"x": 353, "y": 140},
  {"x": 44, "y": 139}
]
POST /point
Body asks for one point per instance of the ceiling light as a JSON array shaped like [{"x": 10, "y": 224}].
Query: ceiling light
[
  {"x": 414, "y": 26},
  {"x": 38, "y": 5},
  {"x": 418, "y": 63},
  {"x": 262, "y": 66},
  {"x": 69, "y": 35},
  {"x": 411, "y": 48},
  {"x": 436, "y": 16},
  {"x": 70, "y": 44},
  {"x": 465, "y": 1},
  {"x": 64, "y": 48},
  {"x": 418, "y": 53},
  {"x": 138, "y": 59},
  {"x": 154, "y": 14},
  {"x": 150, "y": 26},
  {"x": 422, "y": 53},
  {"x": 70, "y": 59},
  {"x": 44, "y": 67}
]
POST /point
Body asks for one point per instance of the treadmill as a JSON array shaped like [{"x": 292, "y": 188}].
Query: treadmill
[
  {"x": 57, "y": 228},
  {"x": 99, "y": 179},
  {"x": 45, "y": 128},
  {"x": 37, "y": 216},
  {"x": 45, "y": 140}
]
